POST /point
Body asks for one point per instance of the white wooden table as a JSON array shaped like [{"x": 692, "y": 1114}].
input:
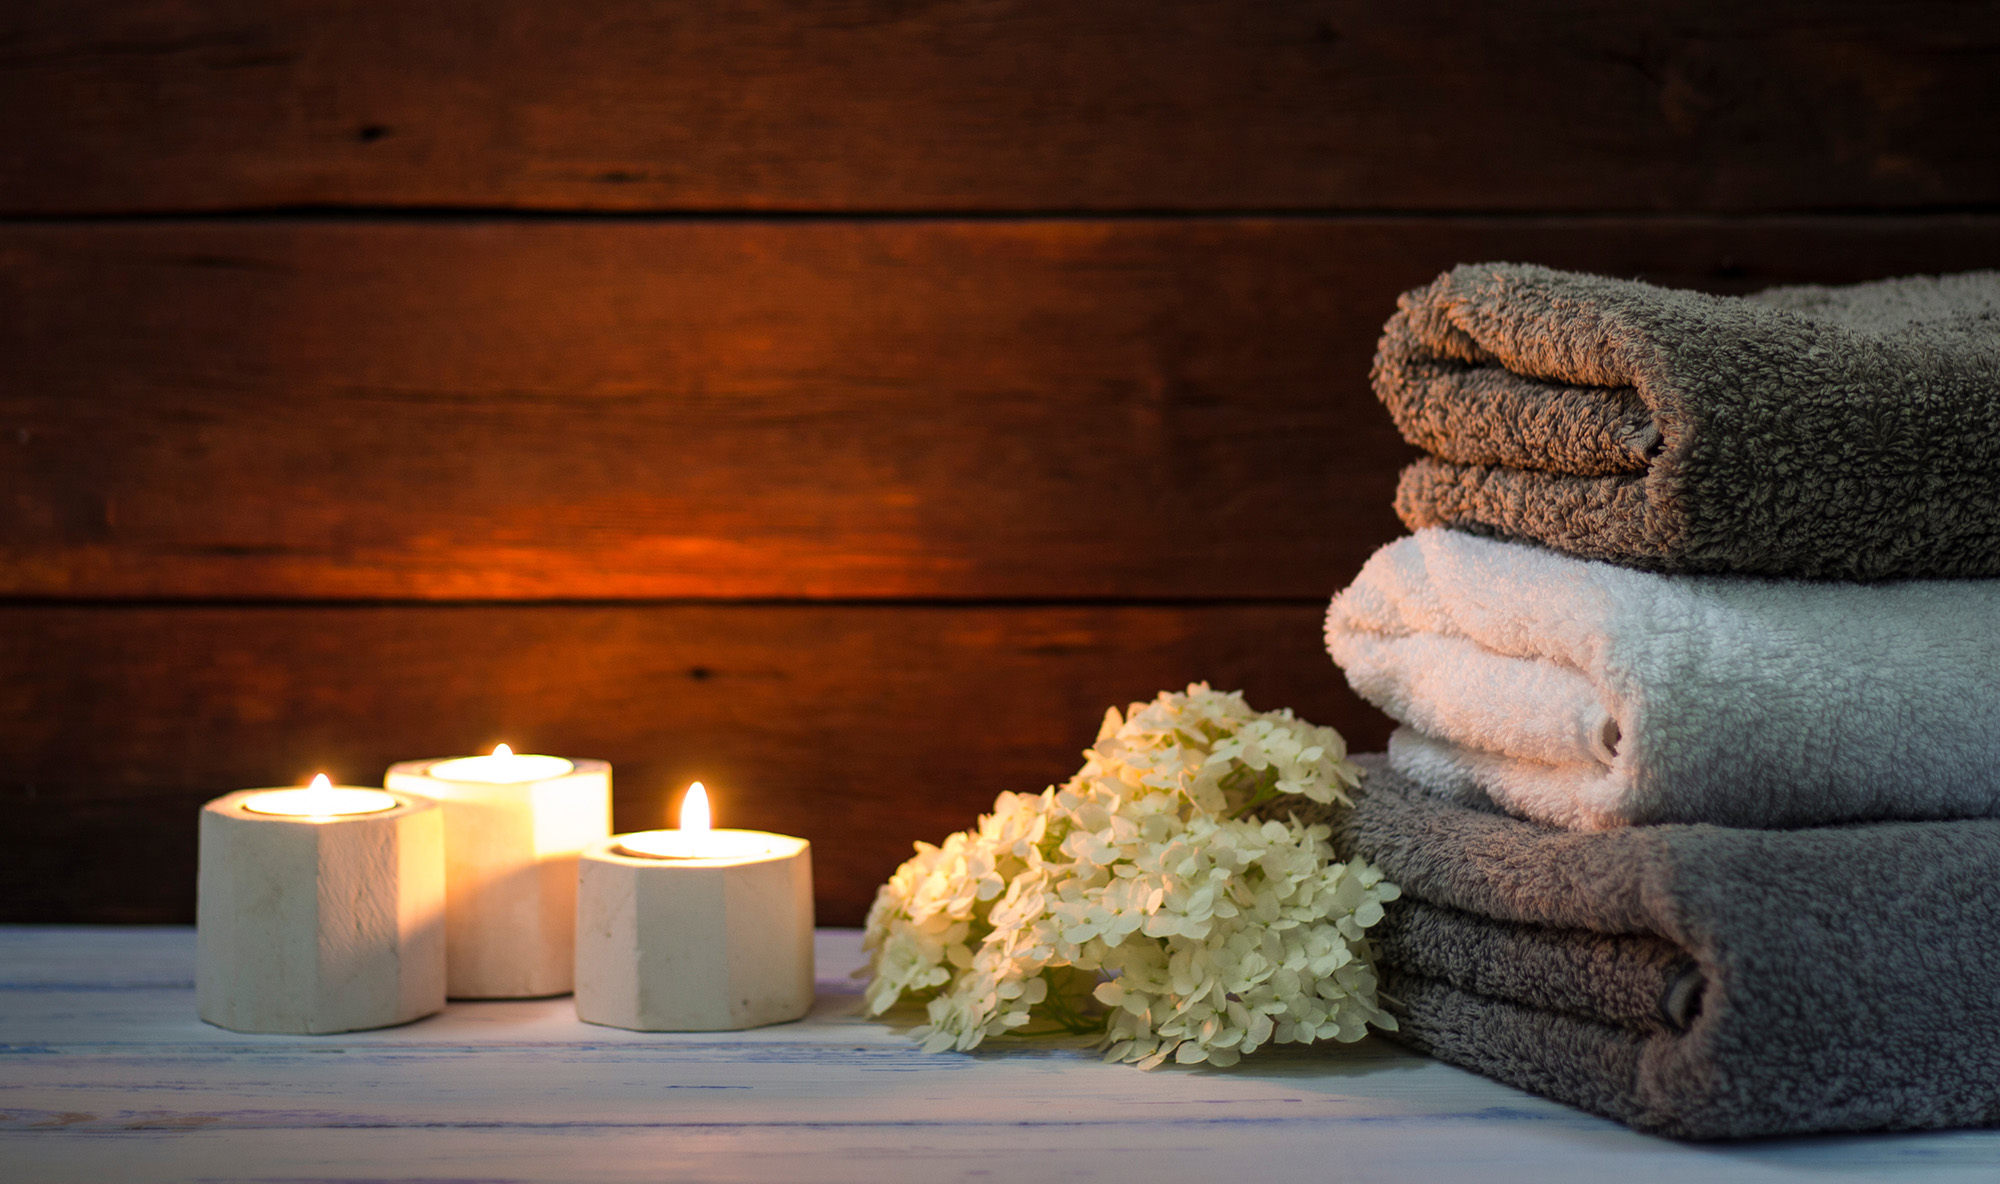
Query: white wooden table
[{"x": 106, "y": 1075}]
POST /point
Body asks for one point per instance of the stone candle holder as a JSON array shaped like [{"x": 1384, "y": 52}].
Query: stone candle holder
[
  {"x": 714, "y": 940},
  {"x": 513, "y": 826},
  {"x": 327, "y": 921}
]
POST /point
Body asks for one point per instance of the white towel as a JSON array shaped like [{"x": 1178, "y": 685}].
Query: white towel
[{"x": 1587, "y": 696}]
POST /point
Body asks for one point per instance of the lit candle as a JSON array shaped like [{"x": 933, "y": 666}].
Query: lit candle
[
  {"x": 514, "y": 825},
  {"x": 319, "y": 909},
  {"x": 696, "y": 839},
  {"x": 320, "y": 800},
  {"x": 696, "y": 929}
]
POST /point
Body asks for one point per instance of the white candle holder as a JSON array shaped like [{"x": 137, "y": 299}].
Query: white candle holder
[
  {"x": 679, "y": 944},
  {"x": 513, "y": 828},
  {"x": 326, "y": 916}
]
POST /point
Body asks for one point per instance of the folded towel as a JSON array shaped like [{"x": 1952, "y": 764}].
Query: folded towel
[
  {"x": 1850, "y": 432},
  {"x": 1695, "y": 981},
  {"x": 1587, "y": 695}
]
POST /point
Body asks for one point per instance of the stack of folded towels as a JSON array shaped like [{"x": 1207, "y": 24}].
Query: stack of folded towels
[{"x": 1695, "y": 801}]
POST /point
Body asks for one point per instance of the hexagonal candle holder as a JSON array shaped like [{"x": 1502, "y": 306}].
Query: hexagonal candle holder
[
  {"x": 514, "y": 825},
  {"x": 319, "y": 910},
  {"x": 694, "y": 930}
]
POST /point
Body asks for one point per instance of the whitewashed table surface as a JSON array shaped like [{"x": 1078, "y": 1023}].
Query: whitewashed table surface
[{"x": 106, "y": 1075}]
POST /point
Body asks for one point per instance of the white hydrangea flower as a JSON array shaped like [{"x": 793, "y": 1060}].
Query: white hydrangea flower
[{"x": 1146, "y": 898}]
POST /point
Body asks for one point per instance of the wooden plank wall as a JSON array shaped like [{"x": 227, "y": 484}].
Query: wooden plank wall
[{"x": 839, "y": 401}]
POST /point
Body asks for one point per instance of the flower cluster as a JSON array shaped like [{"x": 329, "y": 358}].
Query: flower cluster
[{"x": 1156, "y": 898}]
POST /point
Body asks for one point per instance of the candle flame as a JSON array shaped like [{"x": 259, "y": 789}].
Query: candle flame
[
  {"x": 319, "y": 797},
  {"x": 502, "y": 750},
  {"x": 694, "y": 809}
]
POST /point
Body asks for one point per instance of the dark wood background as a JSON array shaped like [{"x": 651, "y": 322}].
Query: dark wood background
[{"x": 841, "y": 402}]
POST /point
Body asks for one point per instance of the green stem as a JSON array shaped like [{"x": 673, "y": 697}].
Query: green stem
[
  {"x": 1267, "y": 790},
  {"x": 1058, "y": 1010}
]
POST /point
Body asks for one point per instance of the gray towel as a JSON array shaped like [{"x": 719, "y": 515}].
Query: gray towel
[
  {"x": 1695, "y": 980},
  {"x": 1826, "y": 432}
]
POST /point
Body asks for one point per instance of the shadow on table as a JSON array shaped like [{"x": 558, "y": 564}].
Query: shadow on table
[
  {"x": 1890, "y": 1155},
  {"x": 1368, "y": 1057}
]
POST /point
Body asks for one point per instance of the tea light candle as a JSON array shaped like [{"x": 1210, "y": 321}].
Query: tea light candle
[
  {"x": 694, "y": 930},
  {"x": 514, "y": 825},
  {"x": 319, "y": 909}
]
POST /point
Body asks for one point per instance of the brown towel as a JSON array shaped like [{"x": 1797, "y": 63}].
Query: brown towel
[{"x": 1827, "y": 432}]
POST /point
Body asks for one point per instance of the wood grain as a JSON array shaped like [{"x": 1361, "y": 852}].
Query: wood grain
[
  {"x": 560, "y": 409},
  {"x": 106, "y": 1075},
  {"x": 500, "y": 409},
  {"x": 861, "y": 728},
  {"x": 983, "y": 105}
]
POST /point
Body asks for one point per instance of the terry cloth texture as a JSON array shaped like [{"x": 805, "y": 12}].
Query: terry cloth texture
[
  {"x": 1587, "y": 695},
  {"x": 1828, "y": 432},
  {"x": 1696, "y": 981}
]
